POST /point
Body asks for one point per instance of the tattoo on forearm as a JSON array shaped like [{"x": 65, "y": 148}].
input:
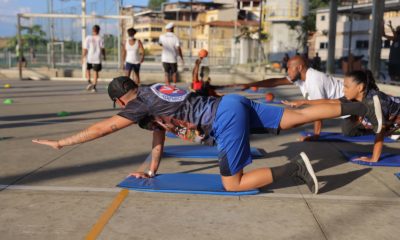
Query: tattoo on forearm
[{"x": 81, "y": 137}]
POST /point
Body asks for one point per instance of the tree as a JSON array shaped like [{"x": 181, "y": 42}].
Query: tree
[
  {"x": 307, "y": 25},
  {"x": 155, "y": 4},
  {"x": 33, "y": 37}
]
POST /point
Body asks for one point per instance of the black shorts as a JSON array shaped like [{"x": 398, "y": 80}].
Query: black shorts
[
  {"x": 170, "y": 67},
  {"x": 95, "y": 67},
  {"x": 394, "y": 71},
  {"x": 132, "y": 67}
]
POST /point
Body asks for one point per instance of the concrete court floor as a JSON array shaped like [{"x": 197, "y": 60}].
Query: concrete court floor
[{"x": 49, "y": 194}]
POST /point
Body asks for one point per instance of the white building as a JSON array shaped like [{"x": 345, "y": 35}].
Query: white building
[{"x": 361, "y": 30}]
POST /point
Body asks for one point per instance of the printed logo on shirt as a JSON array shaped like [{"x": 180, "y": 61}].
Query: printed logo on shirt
[{"x": 169, "y": 93}]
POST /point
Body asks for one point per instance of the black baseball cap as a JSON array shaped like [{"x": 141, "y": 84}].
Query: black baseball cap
[{"x": 119, "y": 86}]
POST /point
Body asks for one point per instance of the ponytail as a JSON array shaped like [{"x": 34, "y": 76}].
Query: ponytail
[{"x": 366, "y": 78}]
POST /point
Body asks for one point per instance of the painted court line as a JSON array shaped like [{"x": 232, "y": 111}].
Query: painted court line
[
  {"x": 267, "y": 195},
  {"x": 106, "y": 216}
]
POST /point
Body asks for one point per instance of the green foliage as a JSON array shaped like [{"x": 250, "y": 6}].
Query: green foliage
[
  {"x": 32, "y": 36},
  {"x": 155, "y": 4},
  {"x": 307, "y": 25}
]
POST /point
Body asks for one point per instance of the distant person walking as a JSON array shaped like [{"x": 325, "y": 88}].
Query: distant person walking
[
  {"x": 394, "y": 55},
  {"x": 316, "y": 62},
  {"x": 19, "y": 52},
  {"x": 171, "y": 48},
  {"x": 92, "y": 51},
  {"x": 285, "y": 61},
  {"x": 133, "y": 53}
]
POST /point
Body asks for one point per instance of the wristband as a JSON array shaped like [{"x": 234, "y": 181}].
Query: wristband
[{"x": 150, "y": 173}]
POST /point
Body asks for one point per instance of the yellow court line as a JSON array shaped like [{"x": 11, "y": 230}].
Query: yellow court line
[{"x": 98, "y": 227}]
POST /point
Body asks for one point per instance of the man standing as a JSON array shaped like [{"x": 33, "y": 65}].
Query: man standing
[
  {"x": 171, "y": 47},
  {"x": 92, "y": 51},
  {"x": 394, "y": 55}
]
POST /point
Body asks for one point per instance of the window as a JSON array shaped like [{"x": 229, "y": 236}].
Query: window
[
  {"x": 156, "y": 29},
  {"x": 323, "y": 45},
  {"x": 386, "y": 44},
  {"x": 323, "y": 18},
  {"x": 362, "y": 44}
]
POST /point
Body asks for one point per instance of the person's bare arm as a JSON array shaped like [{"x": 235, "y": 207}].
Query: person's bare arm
[
  {"x": 301, "y": 102},
  {"x": 156, "y": 154},
  {"x": 180, "y": 54},
  {"x": 195, "y": 72},
  {"x": 141, "y": 51},
  {"x": 377, "y": 151},
  {"x": 103, "y": 52},
  {"x": 84, "y": 54},
  {"x": 269, "y": 83},
  {"x": 95, "y": 131},
  {"x": 123, "y": 54}
]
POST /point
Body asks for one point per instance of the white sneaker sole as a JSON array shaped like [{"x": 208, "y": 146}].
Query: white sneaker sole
[
  {"x": 310, "y": 171},
  {"x": 378, "y": 112}
]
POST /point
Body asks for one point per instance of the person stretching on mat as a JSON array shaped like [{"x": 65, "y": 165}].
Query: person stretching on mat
[
  {"x": 226, "y": 121},
  {"x": 202, "y": 86},
  {"x": 360, "y": 86},
  {"x": 313, "y": 85}
]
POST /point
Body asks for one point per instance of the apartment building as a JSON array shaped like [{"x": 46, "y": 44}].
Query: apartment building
[{"x": 360, "y": 32}]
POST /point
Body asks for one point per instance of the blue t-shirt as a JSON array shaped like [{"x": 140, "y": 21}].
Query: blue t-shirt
[{"x": 185, "y": 114}]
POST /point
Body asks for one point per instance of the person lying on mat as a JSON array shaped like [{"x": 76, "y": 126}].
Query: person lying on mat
[
  {"x": 203, "y": 85},
  {"x": 360, "y": 86},
  {"x": 226, "y": 121},
  {"x": 313, "y": 85}
]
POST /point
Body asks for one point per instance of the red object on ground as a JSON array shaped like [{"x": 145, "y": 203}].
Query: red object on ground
[
  {"x": 254, "y": 89},
  {"x": 203, "y": 53},
  {"x": 269, "y": 97}
]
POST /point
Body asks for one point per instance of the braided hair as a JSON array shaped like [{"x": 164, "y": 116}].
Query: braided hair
[{"x": 365, "y": 78}]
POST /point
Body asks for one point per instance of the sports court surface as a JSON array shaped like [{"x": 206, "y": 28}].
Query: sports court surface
[{"x": 49, "y": 194}]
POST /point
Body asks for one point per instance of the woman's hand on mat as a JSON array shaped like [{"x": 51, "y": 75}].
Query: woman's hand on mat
[
  {"x": 294, "y": 104},
  {"x": 139, "y": 175},
  {"x": 365, "y": 159},
  {"x": 309, "y": 138},
  {"x": 50, "y": 143}
]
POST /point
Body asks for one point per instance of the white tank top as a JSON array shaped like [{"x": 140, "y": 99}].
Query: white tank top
[{"x": 132, "y": 52}]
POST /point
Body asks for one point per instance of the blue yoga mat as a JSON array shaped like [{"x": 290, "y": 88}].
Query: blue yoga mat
[
  {"x": 339, "y": 137},
  {"x": 386, "y": 159},
  {"x": 188, "y": 183},
  {"x": 201, "y": 151}
]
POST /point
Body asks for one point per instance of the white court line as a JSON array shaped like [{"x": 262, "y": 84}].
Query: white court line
[
  {"x": 266, "y": 195},
  {"x": 329, "y": 197},
  {"x": 55, "y": 188}
]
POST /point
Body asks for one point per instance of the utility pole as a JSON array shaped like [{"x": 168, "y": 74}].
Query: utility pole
[
  {"x": 350, "y": 59},
  {"x": 190, "y": 32},
  {"x": 119, "y": 2},
  {"x": 333, "y": 4},
  {"x": 83, "y": 21},
  {"x": 52, "y": 61},
  {"x": 375, "y": 40}
]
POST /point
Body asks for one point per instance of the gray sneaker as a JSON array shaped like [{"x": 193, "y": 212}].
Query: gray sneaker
[
  {"x": 89, "y": 87},
  {"x": 305, "y": 173},
  {"x": 374, "y": 113}
]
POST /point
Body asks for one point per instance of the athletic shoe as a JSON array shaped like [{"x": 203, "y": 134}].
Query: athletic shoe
[
  {"x": 305, "y": 173},
  {"x": 94, "y": 90},
  {"x": 89, "y": 87},
  {"x": 374, "y": 113}
]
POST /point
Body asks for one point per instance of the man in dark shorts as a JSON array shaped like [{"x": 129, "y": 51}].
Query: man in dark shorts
[
  {"x": 171, "y": 48},
  {"x": 226, "y": 122},
  {"x": 92, "y": 51}
]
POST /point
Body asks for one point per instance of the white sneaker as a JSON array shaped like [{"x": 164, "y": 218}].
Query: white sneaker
[{"x": 89, "y": 87}]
